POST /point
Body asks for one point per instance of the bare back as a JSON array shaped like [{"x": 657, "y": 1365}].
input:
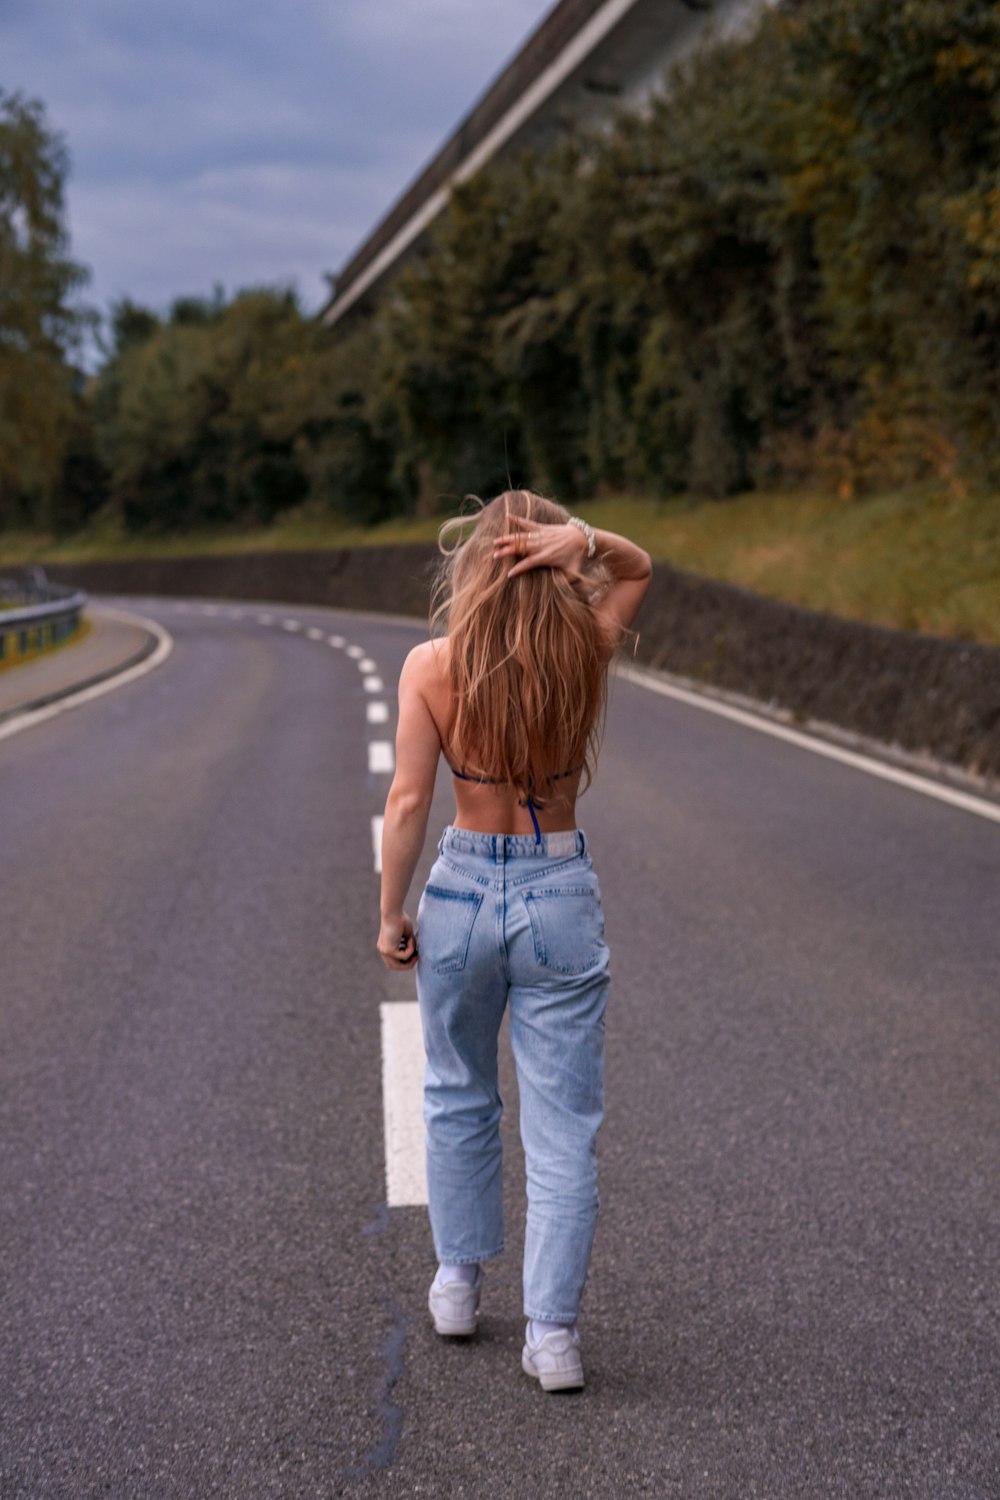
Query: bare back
[{"x": 483, "y": 807}]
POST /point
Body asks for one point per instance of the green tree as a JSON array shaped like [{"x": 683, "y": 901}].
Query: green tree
[
  {"x": 182, "y": 407},
  {"x": 233, "y": 412},
  {"x": 40, "y": 322},
  {"x": 888, "y": 146},
  {"x": 450, "y": 370},
  {"x": 788, "y": 265}
]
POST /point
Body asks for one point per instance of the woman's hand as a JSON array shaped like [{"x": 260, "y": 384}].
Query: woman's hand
[
  {"x": 397, "y": 944},
  {"x": 539, "y": 544}
]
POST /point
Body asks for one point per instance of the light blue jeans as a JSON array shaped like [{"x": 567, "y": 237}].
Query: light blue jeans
[{"x": 506, "y": 920}]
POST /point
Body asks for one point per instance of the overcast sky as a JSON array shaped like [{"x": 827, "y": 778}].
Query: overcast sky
[{"x": 250, "y": 142}]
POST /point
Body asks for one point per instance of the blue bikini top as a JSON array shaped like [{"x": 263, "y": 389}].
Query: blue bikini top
[{"x": 530, "y": 803}]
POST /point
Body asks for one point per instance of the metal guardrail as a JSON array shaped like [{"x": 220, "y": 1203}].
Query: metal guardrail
[{"x": 36, "y": 614}]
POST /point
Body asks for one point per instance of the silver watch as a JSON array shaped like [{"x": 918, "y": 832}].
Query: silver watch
[{"x": 588, "y": 532}]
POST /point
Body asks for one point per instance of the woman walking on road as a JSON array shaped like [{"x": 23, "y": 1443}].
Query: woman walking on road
[{"x": 535, "y": 602}]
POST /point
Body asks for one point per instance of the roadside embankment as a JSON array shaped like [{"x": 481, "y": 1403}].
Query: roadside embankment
[{"x": 921, "y": 693}]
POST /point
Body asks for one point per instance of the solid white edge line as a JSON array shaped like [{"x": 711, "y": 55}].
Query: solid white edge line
[
  {"x": 159, "y": 654},
  {"x": 377, "y": 822},
  {"x": 402, "y": 1104},
  {"x": 964, "y": 800}
]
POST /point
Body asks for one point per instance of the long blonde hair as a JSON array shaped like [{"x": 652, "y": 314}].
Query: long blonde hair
[{"x": 528, "y": 655}]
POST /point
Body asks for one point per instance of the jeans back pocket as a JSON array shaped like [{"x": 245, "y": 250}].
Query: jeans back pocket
[
  {"x": 567, "y": 927},
  {"x": 445, "y": 920}
]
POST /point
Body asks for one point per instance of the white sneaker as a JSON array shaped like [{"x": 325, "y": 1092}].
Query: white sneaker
[
  {"x": 455, "y": 1306},
  {"x": 555, "y": 1361}
]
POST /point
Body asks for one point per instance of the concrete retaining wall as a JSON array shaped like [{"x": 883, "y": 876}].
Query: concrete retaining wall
[{"x": 919, "y": 692}]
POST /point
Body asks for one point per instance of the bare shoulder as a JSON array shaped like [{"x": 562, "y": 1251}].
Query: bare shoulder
[
  {"x": 425, "y": 669},
  {"x": 428, "y": 659}
]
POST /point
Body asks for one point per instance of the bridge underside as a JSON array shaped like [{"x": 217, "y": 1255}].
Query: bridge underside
[{"x": 586, "y": 59}]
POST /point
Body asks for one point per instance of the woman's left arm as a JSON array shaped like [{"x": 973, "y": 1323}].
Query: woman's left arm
[{"x": 407, "y": 807}]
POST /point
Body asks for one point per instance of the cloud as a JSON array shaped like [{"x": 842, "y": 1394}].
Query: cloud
[
  {"x": 246, "y": 141},
  {"x": 242, "y": 226}
]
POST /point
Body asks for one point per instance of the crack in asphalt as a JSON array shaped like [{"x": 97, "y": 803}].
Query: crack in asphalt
[
  {"x": 391, "y": 1412},
  {"x": 393, "y": 1355}
]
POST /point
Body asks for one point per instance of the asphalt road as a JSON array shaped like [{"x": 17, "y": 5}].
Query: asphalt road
[{"x": 794, "y": 1289}]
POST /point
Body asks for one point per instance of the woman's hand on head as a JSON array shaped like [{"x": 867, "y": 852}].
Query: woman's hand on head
[
  {"x": 540, "y": 544},
  {"x": 397, "y": 944}
]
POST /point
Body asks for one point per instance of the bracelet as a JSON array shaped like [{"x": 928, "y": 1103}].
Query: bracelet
[{"x": 588, "y": 532}]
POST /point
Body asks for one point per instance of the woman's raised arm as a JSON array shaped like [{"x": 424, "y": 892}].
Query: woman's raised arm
[
  {"x": 631, "y": 570},
  {"x": 537, "y": 544}
]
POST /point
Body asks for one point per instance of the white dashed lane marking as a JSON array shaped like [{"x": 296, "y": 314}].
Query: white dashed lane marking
[
  {"x": 402, "y": 1035},
  {"x": 380, "y": 756},
  {"x": 402, "y": 1103}
]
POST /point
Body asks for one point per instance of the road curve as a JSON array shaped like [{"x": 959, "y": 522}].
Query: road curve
[{"x": 794, "y": 1289}]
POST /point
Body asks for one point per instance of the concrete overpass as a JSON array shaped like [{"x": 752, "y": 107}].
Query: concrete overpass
[{"x": 586, "y": 58}]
